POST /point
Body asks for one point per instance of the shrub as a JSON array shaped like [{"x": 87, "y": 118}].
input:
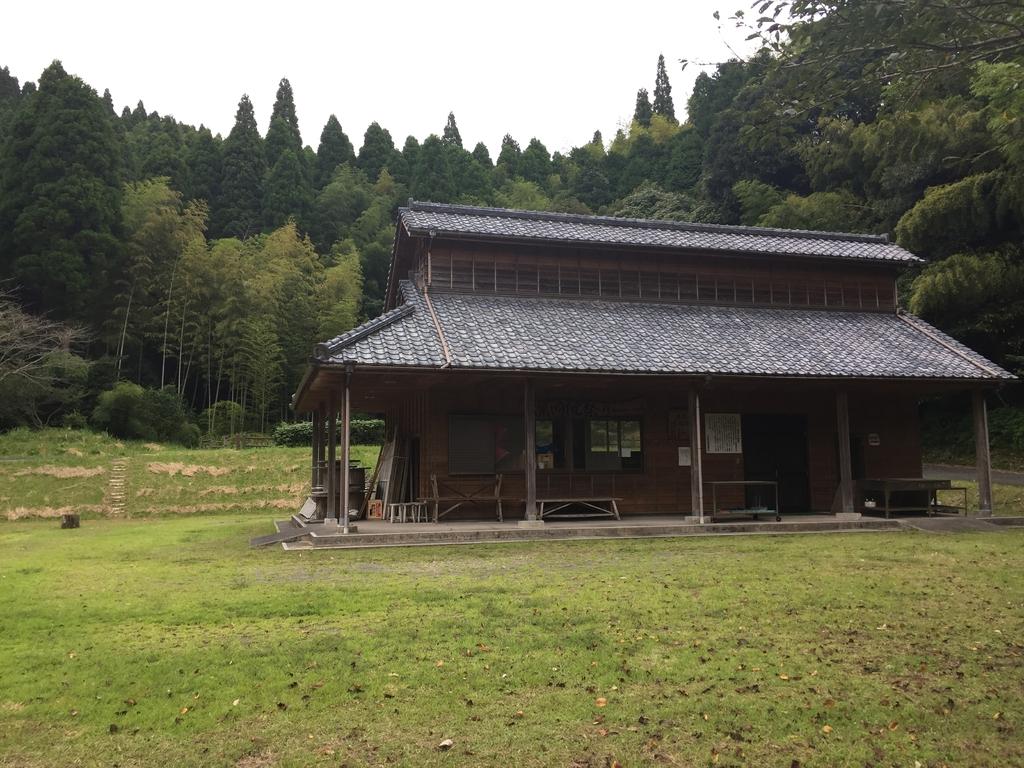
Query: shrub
[
  {"x": 362, "y": 432},
  {"x": 130, "y": 411},
  {"x": 367, "y": 431},
  {"x": 300, "y": 433},
  {"x": 222, "y": 418}
]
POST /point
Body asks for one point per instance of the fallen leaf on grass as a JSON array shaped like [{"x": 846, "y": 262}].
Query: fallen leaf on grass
[
  {"x": 445, "y": 745},
  {"x": 235, "y": 702},
  {"x": 826, "y": 729},
  {"x": 601, "y": 702}
]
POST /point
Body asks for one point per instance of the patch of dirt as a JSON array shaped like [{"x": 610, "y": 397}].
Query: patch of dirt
[
  {"x": 62, "y": 472},
  {"x": 225, "y": 490},
  {"x": 20, "y": 513},
  {"x": 185, "y": 470},
  {"x": 263, "y": 760},
  {"x": 222, "y": 506},
  {"x": 145, "y": 492},
  {"x": 11, "y": 706}
]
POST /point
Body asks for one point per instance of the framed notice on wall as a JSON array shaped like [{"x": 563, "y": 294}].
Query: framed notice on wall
[{"x": 723, "y": 433}]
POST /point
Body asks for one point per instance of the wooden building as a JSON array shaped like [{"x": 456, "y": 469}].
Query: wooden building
[{"x": 667, "y": 366}]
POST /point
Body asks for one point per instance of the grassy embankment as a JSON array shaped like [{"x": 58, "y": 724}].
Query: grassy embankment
[{"x": 44, "y": 473}]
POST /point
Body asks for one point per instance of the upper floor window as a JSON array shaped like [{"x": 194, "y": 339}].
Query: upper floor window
[{"x": 758, "y": 288}]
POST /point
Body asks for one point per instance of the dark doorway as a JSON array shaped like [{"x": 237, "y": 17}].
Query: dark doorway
[{"x": 775, "y": 448}]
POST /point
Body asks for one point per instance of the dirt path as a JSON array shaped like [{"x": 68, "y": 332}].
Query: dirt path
[{"x": 953, "y": 472}]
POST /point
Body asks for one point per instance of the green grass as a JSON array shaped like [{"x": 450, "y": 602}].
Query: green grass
[
  {"x": 46, "y": 472},
  {"x": 167, "y": 641}
]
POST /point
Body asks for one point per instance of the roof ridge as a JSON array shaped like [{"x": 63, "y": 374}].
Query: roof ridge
[{"x": 619, "y": 221}]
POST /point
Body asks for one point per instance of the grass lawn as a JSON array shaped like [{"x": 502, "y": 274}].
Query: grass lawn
[{"x": 167, "y": 641}]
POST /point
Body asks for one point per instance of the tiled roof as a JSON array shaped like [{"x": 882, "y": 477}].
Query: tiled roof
[
  {"x": 504, "y": 224},
  {"x": 404, "y": 336},
  {"x": 485, "y": 331}
]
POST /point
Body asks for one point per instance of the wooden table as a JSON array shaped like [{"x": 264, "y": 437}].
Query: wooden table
[
  {"x": 744, "y": 511},
  {"x": 603, "y": 506},
  {"x": 929, "y": 490}
]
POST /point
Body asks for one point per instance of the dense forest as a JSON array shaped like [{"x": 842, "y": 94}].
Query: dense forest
[{"x": 155, "y": 273}]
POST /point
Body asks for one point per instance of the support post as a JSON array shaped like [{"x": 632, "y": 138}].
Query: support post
[
  {"x": 845, "y": 460},
  {"x": 981, "y": 452},
  {"x": 314, "y": 477},
  {"x": 696, "y": 466},
  {"x": 332, "y": 444},
  {"x": 530, "y": 462},
  {"x": 345, "y": 439}
]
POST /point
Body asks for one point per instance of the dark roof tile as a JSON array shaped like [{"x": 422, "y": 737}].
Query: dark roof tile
[
  {"x": 505, "y": 224},
  {"x": 536, "y": 333}
]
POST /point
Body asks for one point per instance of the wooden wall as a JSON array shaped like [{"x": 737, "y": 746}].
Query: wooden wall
[
  {"x": 663, "y": 486},
  {"x": 645, "y": 275}
]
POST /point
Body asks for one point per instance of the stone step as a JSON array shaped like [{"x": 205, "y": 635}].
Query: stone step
[{"x": 311, "y": 538}]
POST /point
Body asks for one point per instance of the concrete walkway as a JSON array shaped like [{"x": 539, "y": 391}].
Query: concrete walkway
[
  {"x": 954, "y": 472},
  {"x": 375, "y": 533}
]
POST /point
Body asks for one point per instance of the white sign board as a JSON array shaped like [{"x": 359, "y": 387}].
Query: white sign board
[
  {"x": 684, "y": 456},
  {"x": 723, "y": 433}
]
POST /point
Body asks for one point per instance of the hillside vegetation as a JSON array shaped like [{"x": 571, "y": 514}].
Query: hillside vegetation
[{"x": 208, "y": 266}]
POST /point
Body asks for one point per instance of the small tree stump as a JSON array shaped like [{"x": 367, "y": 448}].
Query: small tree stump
[{"x": 70, "y": 521}]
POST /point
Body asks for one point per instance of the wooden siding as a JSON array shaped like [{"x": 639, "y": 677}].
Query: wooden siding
[
  {"x": 662, "y": 486},
  {"x": 682, "y": 278}
]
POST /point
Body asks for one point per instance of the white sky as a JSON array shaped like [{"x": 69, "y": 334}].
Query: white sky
[{"x": 555, "y": 70}]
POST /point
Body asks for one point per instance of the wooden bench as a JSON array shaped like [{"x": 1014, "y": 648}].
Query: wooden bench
[
  {"x": 752, "y": 512},
  {"x": 723, "y": 515},
  {"x": 594, "y": 506},
  {"x": 911, "y": 495},
  {"x": 453, "y": 498}
]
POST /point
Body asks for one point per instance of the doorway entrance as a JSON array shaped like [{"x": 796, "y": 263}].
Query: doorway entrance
[{"x": 775, "y": 448}]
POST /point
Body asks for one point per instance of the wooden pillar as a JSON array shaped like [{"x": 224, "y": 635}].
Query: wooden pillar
[
  {"x": 845, "y": 460},
  {"x": 530, "y": 460},
  {"x": 696, "y": 464},
  {"x": 346, "y": 420},
  {"x": 314, "y": 475},
  {"x": 981, "y": 452},
  {"x": 332, "y": 444}
]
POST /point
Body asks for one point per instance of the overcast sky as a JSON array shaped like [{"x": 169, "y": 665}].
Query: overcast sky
[{"x": 555, "y": 70}]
